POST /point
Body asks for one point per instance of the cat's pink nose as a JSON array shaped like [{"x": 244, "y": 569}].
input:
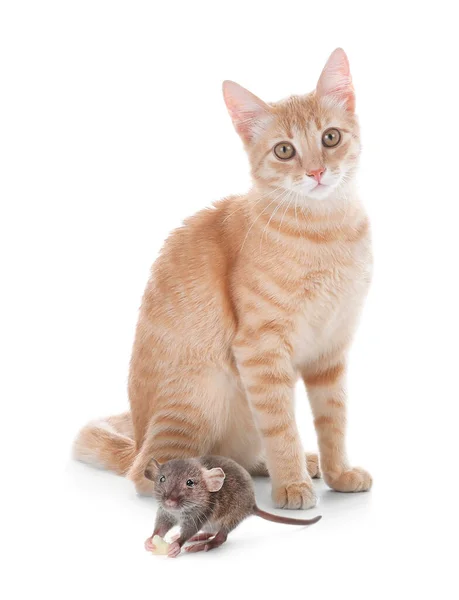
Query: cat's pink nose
[{"x": 316, "y": 173}]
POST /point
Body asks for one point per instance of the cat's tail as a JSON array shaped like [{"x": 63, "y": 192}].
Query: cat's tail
[{"x": 107, "y": 444}]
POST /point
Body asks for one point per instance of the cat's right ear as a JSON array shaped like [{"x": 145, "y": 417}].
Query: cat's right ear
[
  {"x": 336, "y": 81},
  {"x": 249, "y": 114},
  {"x": 151, "y": 472}
]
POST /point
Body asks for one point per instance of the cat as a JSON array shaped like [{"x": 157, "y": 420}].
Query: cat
[{"x": 249, "y": 295}]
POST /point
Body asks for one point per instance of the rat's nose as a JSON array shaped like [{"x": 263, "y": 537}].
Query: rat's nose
[
  {"x": 171, "y": 502},
  {"x": 316, "y": 173}
]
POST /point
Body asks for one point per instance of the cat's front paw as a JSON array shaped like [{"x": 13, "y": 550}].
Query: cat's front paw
[
  {"x": 352, "y": 480},
  {"x": 294, "y": 495}
]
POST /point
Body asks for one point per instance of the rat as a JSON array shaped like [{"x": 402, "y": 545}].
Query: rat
[{"x": 211, "y": 495}]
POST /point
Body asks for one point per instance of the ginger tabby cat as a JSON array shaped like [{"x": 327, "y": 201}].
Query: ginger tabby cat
[{"x": 249, "y": 295}]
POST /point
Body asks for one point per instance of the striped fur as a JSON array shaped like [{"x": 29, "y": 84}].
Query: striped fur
[{"x": 246, "y": 297}]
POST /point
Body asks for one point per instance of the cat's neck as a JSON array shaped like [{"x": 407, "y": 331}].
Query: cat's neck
[{"x": 341, "y": 207}]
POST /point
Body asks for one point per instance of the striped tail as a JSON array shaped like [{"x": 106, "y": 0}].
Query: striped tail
[{"x": 107, "y": 444}]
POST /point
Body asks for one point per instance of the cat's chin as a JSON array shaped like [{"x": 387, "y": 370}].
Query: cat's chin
[
  {"x": 321, "y": 191},
  {"x": 318, "y": 193}
]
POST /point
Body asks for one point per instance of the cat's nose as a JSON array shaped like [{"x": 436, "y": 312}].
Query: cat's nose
[{"x": 316, "y": 173}]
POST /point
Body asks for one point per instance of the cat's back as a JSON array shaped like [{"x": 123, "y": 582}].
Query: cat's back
[
  {"x": 203, "y": 244},
  {"x": 188, "y": 290}
]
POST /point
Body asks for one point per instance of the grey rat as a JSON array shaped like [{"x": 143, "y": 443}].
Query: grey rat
[{"x": 211, "y": 494}]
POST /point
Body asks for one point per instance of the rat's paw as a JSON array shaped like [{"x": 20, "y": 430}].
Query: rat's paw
[
  {"x": 149, "y": 546},
  {"x": 294, "y": 495},
  {"x": 352, "y": 480},
  {"x": 312, "y": 463},
  {"x": 156, "y": 545},
  {"x": 174, "y": 550}
]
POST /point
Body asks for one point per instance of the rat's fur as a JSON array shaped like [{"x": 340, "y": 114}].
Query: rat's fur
[
  {"x": 220, "y": 498},
  {"x": 246, "y": 297}
]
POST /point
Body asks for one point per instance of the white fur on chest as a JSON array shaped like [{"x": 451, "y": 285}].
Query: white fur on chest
[{"x": 329, "y": 317}]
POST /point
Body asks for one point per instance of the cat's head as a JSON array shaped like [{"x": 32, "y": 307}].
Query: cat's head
[{"x": 306, "y": 144}]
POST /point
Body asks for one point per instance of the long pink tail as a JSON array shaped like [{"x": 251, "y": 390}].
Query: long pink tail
[{"x": 287, "y": 520}]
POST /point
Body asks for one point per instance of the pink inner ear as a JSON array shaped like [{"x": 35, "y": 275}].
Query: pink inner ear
[
  {"x": 243, "y": 122},
  {"x": 152, "y": 468},
  {"x": 336, "y": 81},
  {"x": 247, "y": 112},
  {"x": 214, "y": 479}
]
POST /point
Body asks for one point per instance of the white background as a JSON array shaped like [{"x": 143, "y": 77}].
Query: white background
[{"x": 112, "y": 130}]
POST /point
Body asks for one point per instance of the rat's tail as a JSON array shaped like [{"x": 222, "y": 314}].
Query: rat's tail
[
  {"x": 107, "y": 444},
  {"x": 287, "y": 520}
]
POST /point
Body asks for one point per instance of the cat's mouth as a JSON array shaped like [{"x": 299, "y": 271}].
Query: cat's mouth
[{"x": 319, "y": 189}]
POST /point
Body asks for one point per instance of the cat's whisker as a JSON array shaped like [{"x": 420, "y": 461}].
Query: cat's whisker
[
  {"x": 255, "y": 220},
  {"x": 243, "y": 205},
  {"x": 289, "y": 199},
  {"x": 296, "y": 216},
  {"x": 274, "y": 212}
]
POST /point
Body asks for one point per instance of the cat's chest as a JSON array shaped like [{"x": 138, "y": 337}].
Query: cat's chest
[{"x": 332, "y": 303}]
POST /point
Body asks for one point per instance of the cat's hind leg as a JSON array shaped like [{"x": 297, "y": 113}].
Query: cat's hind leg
[
  {"x": 312, "y": 463},
  {"x": 186, "y": 423},
  {"x": 182, "y": 432}
]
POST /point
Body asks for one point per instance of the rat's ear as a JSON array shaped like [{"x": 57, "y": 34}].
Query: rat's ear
[
  {"x": 152, "y": 469},
  {"x": 214, "y": 478}
]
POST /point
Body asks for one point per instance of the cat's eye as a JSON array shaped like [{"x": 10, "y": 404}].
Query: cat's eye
[
  {"x": 331, "y": 137},
  {"x": 162, "y": 479},
  {"x": 190, "y": 483},
  {"x": 284, "y": 151}
]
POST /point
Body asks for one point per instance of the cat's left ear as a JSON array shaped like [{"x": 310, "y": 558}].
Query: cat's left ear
[
  {"x": 336, "y": 81},
  {"x": 213, "y": 478},
  {"x": 249, "y": 114}
]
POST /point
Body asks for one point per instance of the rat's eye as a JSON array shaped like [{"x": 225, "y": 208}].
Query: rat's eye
[
  {"x": 284, "y": 151},
  {"x": 331, "y": 137},
  {"x": 162, "y": 479},
  {"x": 190, "y": 483}
]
